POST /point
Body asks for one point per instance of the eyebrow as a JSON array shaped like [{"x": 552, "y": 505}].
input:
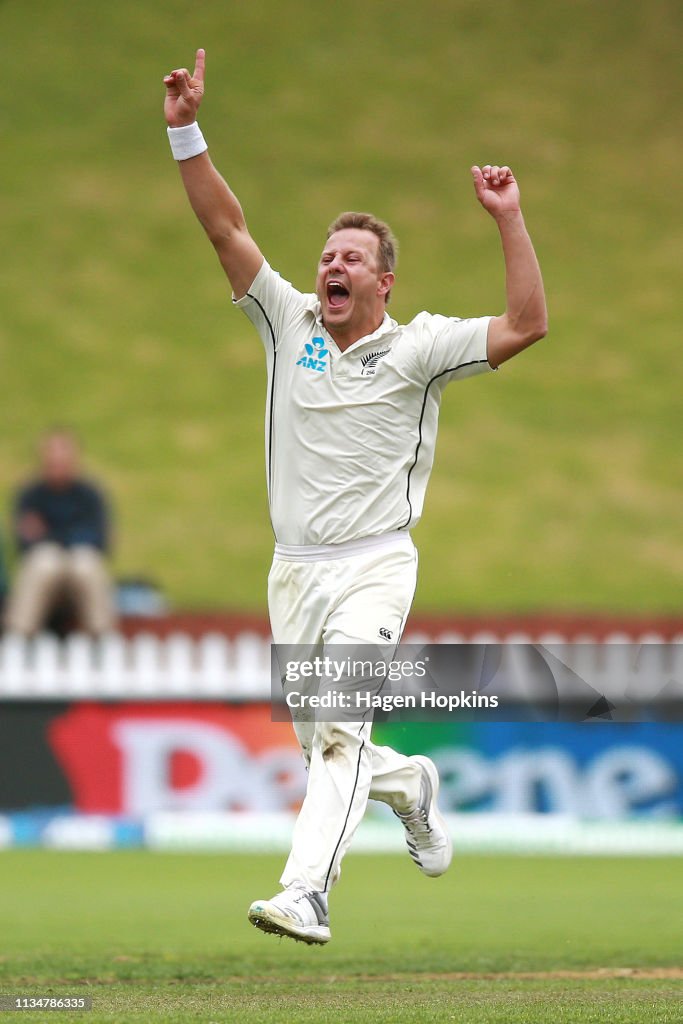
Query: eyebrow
[{"x": 344, "y": 252}]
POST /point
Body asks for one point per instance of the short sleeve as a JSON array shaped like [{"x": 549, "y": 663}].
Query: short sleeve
[
  {"x": 452, "y": 346},
  {"x": 271, "y": 303}
]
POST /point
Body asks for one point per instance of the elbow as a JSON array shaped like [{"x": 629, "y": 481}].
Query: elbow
[
  {"x": 222, "y": 227},
  {"x": 537, "y": 330},
  {"x": 542, "y": 322},
  {"x": 221, "y": 234},
  {"x": 540, "y": 331}
]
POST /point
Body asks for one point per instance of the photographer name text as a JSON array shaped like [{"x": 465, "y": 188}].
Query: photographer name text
[{"x": 364, "y": 701}]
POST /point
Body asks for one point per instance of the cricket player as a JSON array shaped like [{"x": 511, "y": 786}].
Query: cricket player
[{"x": 351, "y": 417}]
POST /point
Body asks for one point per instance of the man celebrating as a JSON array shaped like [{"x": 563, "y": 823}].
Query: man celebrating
[{"x": 351, "y": 417}]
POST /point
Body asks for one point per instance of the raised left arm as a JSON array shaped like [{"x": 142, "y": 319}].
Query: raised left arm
[{"x": 525, "y": 319}]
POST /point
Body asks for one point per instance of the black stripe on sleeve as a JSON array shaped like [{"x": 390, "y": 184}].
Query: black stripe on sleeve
[
  {"x": 271, "y": 396},
  {"x": 443, "y": 373}
]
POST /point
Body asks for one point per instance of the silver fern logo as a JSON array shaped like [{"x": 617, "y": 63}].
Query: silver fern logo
[{"x": 370, "y": 362}]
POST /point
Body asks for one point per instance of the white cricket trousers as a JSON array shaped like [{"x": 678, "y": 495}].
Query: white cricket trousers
[{"x": 342, "y": 594}]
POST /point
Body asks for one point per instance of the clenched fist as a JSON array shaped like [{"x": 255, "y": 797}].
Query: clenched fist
[{"x": 496, "y": 189}]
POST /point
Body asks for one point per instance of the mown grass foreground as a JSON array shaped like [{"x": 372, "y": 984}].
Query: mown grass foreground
[{"x": 164, "y": 937}]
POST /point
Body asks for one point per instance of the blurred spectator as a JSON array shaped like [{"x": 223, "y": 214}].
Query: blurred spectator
[{"x": 61, "y": 524}]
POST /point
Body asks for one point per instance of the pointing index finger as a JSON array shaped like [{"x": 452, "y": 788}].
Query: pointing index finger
[{"x": 200, "y": 65}]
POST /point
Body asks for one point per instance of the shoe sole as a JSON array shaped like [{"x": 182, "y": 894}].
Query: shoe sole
[
  {"x": 268, "y": 919},
  {"x": 433, "y": 774}
]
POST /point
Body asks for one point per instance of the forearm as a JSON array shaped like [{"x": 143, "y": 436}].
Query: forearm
[
  {"x": 215, "y": 204},
  {"x": 526, "y": 310},
  {"x": 220, "y": 214}
]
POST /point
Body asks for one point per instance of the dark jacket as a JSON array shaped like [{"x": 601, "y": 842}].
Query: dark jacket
[{"x": 77, "y": 514}]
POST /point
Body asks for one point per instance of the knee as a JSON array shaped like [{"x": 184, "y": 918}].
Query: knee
[
  {"x": 44, "y": 563},
  {"x": 333, "y": 740},
  {"x": 87, "y": 564}
]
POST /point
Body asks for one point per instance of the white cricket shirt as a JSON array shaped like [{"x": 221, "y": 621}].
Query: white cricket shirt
[{"x": 350, "y": 435}]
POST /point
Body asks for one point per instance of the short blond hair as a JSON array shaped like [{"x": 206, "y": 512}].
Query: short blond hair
[{"x": 388, "y": 246}]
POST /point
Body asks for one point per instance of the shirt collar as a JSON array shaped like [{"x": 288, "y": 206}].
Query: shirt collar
[{"x": 386, "y": 327}]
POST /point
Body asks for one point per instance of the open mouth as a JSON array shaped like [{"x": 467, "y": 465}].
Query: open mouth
[{"x": 337, "y": 294}]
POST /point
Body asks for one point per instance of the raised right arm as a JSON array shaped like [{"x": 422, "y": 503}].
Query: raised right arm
[{"x": 214, "y": 203}]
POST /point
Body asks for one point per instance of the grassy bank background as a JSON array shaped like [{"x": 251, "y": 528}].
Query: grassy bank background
[{"x": 557, "y": 482}]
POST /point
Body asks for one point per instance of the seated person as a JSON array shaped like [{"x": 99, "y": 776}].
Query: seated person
[{"x": 61, "y": 524}]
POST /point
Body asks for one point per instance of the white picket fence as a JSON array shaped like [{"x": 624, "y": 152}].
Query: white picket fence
[
  {"x": 215, "y": 667},
  {"x": 143, "y": 667}
]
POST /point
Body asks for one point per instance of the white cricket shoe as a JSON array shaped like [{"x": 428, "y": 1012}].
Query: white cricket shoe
[
  {"x": 295, "y": 913},
  {"x": 429, "y": 843}
]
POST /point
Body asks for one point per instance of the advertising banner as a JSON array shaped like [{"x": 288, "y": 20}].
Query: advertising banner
[{"x": 139, "y": 758}]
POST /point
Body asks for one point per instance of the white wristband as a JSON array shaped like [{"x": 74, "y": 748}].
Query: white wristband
[{"x": 186, "y": 141}]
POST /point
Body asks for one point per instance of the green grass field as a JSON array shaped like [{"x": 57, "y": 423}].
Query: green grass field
[
  {"x": 162, "y": 937},
  {"x": 557, "y": 483}
]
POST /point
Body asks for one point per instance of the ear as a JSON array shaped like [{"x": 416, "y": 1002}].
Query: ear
[{"x": 385, "y": 283}]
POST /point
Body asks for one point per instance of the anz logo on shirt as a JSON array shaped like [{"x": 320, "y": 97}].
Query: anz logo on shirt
[{"x": 315, "y": 355}]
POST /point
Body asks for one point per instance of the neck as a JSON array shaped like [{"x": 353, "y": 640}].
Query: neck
[{"x": 346, "y": 336}]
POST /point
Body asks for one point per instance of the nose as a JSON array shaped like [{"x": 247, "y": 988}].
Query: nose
[{"x": 336, "y": 264}]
